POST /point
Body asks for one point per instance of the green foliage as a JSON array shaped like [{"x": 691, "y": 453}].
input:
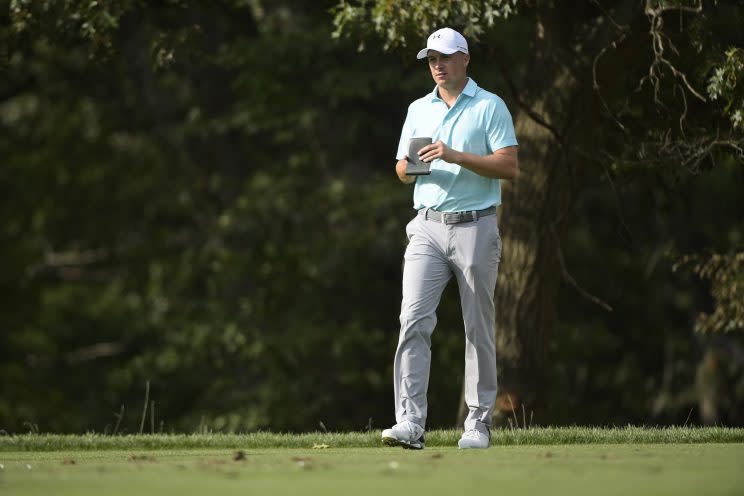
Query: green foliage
[
  {"x": 625, "y": 244},
  {"x": 209, "y": 224},
  {"x": 727, "y": 86},
  {"x": 396, "y": 20},
  {"x": 726, "y": 276},
  {"x": 93, "y": 21}
]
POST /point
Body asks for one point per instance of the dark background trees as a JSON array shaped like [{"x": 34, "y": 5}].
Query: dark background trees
[{"x": 200, "y": 195}]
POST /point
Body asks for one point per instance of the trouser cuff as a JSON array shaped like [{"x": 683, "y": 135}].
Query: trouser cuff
[
  {"x": 416, "y": 420},
  {"x": 479, "y": 426}
]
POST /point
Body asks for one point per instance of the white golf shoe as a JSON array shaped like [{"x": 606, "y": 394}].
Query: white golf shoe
[
  {"x": 405, "y": 434},
  {"x": 474, "y": 438}
]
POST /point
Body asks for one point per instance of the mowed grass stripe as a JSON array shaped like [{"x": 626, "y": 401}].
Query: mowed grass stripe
[
  {"x": 259, "y": 440},
  {"x": 566, "y": 470}
]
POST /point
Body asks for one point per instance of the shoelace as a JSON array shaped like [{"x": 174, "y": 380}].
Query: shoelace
[
  {"x": 473, "y": 434},
  {"x": 413, "y": 429}
]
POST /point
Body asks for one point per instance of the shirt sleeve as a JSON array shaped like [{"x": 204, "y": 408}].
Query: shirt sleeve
[
  {"x": 405, "y": 135},
  {"x": 500, "y": 128}
]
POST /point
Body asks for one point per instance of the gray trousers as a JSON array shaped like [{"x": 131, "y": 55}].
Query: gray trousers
[{"x": 471, "y": 251}]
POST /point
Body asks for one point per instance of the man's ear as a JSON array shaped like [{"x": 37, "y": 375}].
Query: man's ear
[{"x": 467, "y": 59}]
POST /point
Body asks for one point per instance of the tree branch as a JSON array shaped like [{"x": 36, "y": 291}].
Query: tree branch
[
  {"x": 570, "y": 279},
  {"x": 658, "y": 44},
  {"x": 595, "y": 83},
  {"x": 527, "y": 109}
]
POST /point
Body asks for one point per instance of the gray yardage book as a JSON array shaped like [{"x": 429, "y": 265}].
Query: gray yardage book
[{"x": 415, "y": 167}]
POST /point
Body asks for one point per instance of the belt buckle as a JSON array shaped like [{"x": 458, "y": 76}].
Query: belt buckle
[{"x": 451, "y": 217}]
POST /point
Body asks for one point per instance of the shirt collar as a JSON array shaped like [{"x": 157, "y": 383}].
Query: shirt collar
[{"x": 469, "y": 90}]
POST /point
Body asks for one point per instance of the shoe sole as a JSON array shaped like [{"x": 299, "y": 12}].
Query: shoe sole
[
  {"x": 459, "y": 446},
  {"x": 391, "y": 441}
]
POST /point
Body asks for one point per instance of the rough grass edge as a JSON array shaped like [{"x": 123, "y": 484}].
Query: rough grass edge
[{"x": 266, "y": 440}]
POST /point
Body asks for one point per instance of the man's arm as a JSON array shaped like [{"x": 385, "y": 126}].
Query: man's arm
[
  {"x": 501, "y": 164},
  {"x": 400, "y": 169}
]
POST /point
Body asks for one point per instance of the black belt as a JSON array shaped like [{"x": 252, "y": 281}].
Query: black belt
[{"x": 456, "y": 217}]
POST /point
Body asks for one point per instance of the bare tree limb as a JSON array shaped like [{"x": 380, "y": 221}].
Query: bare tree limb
[
  {"x": 570, "y": 279},
  {"x": 659, "y": 42},
  {"x": 531, "y": 113},
  {"x": 623, "y": 30},
  {"x": 595, "y": 83},
  {"x": 609, "y": 17}
]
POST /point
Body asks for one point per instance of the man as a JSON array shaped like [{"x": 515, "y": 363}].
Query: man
[{"x": 454, "y": 233}]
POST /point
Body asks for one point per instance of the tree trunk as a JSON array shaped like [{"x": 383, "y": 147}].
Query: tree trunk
[
  {"x": 534, "y": 213},
  {"x": 532, "y": 221}
]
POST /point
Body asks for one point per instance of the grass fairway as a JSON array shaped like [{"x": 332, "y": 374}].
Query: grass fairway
[{"x": 554, "y": 469}]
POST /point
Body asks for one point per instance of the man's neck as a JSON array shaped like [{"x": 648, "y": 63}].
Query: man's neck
[{"x": 450, "y": 93}]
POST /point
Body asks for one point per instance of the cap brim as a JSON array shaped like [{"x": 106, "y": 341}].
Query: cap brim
[{"x": 423, "y": 53}]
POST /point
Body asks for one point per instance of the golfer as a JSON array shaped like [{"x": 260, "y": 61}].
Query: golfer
[{"x": 454, "y": 233}]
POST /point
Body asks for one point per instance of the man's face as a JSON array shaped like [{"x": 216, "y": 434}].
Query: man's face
[{"x": 448, "y": 70}]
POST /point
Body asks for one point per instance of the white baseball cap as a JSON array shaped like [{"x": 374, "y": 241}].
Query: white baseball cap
[{"x": 446, "y": 41}]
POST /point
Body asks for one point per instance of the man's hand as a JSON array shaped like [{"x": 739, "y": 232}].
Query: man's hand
[
  {"x": 400, "y": 169},
  {"x": 438, "y": 150}
]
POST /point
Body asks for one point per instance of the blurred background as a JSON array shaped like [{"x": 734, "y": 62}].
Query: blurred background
[{"x": 198, "y": 203}]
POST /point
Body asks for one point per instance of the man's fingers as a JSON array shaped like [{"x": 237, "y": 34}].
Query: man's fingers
[
  {"x": 430, "y": 152},
  {"x": 425, "y": 149}
]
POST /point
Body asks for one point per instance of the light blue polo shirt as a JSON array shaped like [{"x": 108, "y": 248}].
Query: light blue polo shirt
[{"x": 477, "y": 123}]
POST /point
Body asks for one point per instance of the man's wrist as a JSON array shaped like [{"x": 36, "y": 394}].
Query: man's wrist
[{"x": 459, "y": 158}]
